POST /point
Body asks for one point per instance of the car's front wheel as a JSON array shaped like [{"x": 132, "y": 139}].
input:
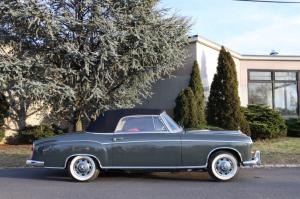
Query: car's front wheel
[
  {"x": 223, "y": 166},
  {"x": 83, "y": 168}
]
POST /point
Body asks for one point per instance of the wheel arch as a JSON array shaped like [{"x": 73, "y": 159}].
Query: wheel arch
[
  {"x": 69, "y": 158},
  {"x": 233, "y": 151}
]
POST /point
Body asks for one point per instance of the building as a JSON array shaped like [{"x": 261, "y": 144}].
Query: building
[{"x": 263, "y": 79}]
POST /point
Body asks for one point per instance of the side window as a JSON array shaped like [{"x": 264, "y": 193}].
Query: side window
[
  {"x": 158, "y": 124},
  {"x": 136, "y": 124}
]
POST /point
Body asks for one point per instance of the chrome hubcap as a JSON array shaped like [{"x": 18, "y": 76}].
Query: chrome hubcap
[
  {"x": 83, "y": 167},
  {"x": 224, "y": 166}
]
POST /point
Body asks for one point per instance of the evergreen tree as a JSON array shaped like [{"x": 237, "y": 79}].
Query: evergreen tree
[
  {"x": 185, "y": 109},
  {"x": 4, "y": 107},
  {"x": 83, "y": 57},
  {"x": 197, "y": 88},
  {"x": 223, "y": 107}
]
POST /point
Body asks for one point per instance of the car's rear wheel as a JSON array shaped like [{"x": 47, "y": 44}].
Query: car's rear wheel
[
  {"x": 223, "y": 166},
  {"x": 83, "y": 168}
]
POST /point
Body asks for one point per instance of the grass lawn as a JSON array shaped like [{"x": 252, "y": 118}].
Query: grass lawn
[
  {"x": 277, "y": 151},
  {"x": 14, "y": 155}
]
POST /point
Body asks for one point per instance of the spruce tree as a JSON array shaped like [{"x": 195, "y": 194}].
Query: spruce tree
[
  {"x": 185, "y": 109},
  {"x": 223, "y": 107},
  {"x": 197, "y": 88}
]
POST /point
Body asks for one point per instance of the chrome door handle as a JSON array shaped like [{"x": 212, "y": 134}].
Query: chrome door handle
[{"x": 117, "y": 139}]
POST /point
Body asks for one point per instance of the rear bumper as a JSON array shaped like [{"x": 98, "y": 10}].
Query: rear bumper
[
  {"x": 34, "y": 163},
  {"x": 255, "y": 160}
]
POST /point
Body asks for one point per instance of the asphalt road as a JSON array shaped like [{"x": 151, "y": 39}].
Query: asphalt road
[{"x": 275, "y": 183}]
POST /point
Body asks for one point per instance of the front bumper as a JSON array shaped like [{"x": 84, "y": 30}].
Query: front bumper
[
  {"x": 34, "y": 163},
  {"x": 255, "y": 160}
]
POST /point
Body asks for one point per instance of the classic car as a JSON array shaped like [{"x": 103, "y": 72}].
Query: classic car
[{"x": 145, "y": 140}]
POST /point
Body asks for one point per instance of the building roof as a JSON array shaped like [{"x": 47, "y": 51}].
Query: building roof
[{"x": 216, "y": 46}]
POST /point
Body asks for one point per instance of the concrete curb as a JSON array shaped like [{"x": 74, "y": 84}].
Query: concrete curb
[{"x": 275, "y": 166}]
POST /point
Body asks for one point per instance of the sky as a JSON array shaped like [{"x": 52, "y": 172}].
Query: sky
[{"x": 245, "y": 27}]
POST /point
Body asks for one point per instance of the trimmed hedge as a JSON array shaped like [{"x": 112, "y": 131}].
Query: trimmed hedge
[
  {"x": 32, "y": 133},
  {"x": 293, "y": 126},
  {"x": 265, "y": 123}
]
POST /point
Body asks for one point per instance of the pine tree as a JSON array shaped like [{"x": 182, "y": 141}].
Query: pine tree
[
  {"x": 84, "y": 57},
  {"x": 223, "y": 107},
  {"x": 185, "y": 109},
  {"x": 197, "y": 88}
]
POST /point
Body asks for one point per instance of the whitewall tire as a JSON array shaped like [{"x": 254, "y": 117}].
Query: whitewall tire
[
  {"x": 83, "y": 168},
  {"x": 223, "y": 166}
]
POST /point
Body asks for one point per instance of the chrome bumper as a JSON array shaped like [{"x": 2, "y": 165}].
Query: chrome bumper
[
  {"x": 255, "y": 160},
  {"x": 34, "y": 163}
]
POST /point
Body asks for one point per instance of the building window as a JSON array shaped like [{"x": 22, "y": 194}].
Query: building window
[{"x": 278, "y": 89}]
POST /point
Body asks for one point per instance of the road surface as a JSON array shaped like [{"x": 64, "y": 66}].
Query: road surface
[{"x": 271, "y": 183}]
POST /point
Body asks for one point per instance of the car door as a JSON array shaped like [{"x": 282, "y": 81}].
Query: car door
[{"x": 145, "y": 141}]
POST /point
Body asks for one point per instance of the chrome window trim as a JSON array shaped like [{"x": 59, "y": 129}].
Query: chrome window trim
[
  {"x": 161, "y": 120},
  {"x": 179, "y": 129},
  {"x": 142, "y": 132}
]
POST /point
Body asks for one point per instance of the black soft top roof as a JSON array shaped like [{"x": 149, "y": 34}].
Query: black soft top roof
[{"x": 107, "y": 121}]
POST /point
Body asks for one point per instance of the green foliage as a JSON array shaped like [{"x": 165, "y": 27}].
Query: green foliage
[
  {"x": 244, "y": 124},
  {"x": 185, "y": 109},
  {"x": 213, "y": 128},
  {"x": 84, "y": 57},
  {"x": 265, "y": 123},
  {"x": 32, "y": 133},
  {"x": 4, "y": 107},
  {"x": 197, "y": 88},
  {"x": 223, "y": 107},
  {"x": 2, "y": 134},
  {"x": 293, "y": 126}
]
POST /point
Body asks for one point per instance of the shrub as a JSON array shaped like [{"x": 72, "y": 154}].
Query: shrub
[
  {"x": 197, "y": 88},
  {"x": 185, "y": 109},
  {"x": 244, "y": 124},
  {"x": 2, "y": 134},
  {"x": 265, "y": 123},
  {"x": 32, "y": 133},
  {"x": 223, "y": 106},
  {"x": 293, "y": 126}
]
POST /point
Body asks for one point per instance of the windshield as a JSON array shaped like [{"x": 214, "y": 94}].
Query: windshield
[{"x": 171, "y": 123}]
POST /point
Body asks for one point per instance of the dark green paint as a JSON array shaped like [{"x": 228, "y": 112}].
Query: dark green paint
[{"x": 165, "y": 150}]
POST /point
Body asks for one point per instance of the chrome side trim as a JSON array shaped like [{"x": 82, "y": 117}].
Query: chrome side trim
[
  {"x": 255, "y": 160},
  {"x": 54, "y": 167},
  {"x": 153, "y": 167},
  {"x": 34, "y": 163},
  {"x": 145, "y": 141}
]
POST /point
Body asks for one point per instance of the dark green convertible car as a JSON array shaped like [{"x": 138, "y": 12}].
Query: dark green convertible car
[{"x": 147, "y": 140}]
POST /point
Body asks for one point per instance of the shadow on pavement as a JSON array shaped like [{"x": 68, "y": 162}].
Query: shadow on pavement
[{"x": 62, "y": 175}]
